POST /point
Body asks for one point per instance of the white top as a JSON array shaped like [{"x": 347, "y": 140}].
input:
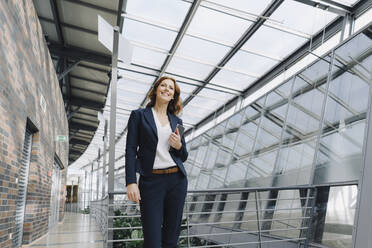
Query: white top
[{"x": 163, "y": 158}]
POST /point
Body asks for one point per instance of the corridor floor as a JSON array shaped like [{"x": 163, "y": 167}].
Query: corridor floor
[{"x": 76, "y": 231}]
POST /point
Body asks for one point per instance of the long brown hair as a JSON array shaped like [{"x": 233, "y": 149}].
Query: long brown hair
[{"x": 175, "y": 105}]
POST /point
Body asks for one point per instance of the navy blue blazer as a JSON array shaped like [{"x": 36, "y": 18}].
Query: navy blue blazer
[{"x": 142, "y": 140}]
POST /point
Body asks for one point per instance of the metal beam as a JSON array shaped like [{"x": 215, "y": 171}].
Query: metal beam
[
  {"x": 248, "y": 34},
  {"x": 57, "y": 22},
  {"x": 89, "y": 80},
  {"x": 80, "y": 142},
  {"x": 93, "y": 68},
  {"x": 86, "y": 120},
  {"x": 71, "y": 26},
  {"x": 341, "y": 9},
  {"x": 66, "y": 81},
  {"x": 89, "y": 91},
  {"x": 77, "y": 53},
  {"x": 78, "y": 126},
  {"x": 71, "y": 114},
  {"x": 178, "y": 39},
  {"x": 85, "y": 103},
  {"x": 67, "y": 70},
  {"x": 360, "y": 7},
  {"x": 92, "y": 6},
  {"x": 87, "y": 114}
]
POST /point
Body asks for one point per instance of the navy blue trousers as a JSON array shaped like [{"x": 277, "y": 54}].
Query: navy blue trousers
[{"x": 162, "y": 202}]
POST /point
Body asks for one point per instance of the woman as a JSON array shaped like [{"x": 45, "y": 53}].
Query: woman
[{"x": 157, "y": 151}]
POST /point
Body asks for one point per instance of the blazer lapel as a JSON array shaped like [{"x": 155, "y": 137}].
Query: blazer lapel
[{"x": 150, "y": 119}]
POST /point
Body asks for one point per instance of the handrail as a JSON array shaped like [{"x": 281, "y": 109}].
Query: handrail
[{"x": 238, "y": 190}]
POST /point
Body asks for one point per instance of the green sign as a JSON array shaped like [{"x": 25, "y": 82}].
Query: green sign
[{"x": 61, "y": 138}]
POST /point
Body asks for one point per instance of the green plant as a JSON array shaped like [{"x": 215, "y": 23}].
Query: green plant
[
  {"x": 86, "y": 210},
  {"x": 127, "y": 233},
  {"x": 137, "y": 233}
]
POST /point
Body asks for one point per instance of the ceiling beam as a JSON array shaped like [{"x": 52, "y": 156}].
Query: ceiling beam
[
  {"x": 86, "y": 120},
  {"x": 360, "y": 7},
  {"x": 78, "y": 141},
  {"x": 71, "y": 114},
  {"x": 341, "y": 9},
  {"x": 57, "y": 22},
  {"x": 79, "y": 126},
  {"x": 99, "y": 93},
  {"x": 71, "y": 26},
  {"x": 89, "y": 80},
  {"x": 85, "y": 103},
  {"x": 93, "y": 6},
  {"x": 77, "y": 53},
  {"x": 94, "y": 68},
  {"x": 248, "y": 34},
  {"x": 67, "y": 70}
]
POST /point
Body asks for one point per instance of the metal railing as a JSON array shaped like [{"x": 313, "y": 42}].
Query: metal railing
[
  {"x": 249, "y": 217},
  {"x": 99, "y": 210}
]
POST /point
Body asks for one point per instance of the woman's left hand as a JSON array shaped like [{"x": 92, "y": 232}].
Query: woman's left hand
[{"x": 175, "y": 140}]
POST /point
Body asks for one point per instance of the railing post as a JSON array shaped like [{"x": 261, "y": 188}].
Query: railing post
[
  {"x": 111, "y": 177},
  {"x": 187, "y": 224},
  {"x": 258, "y": 218}
]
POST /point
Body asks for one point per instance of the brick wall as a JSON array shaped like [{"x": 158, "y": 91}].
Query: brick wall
[{"x": 27, "y": 78}]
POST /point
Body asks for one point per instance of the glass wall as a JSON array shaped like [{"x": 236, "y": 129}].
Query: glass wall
[{"x": 309, "y": 130}]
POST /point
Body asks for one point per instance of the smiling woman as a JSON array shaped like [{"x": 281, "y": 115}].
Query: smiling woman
[{"x": 157, "y": 151}]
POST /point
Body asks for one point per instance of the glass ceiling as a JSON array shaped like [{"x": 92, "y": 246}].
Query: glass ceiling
[{"x": 213, "y": 31}]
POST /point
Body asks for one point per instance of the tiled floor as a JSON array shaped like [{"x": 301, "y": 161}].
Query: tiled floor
[{"x": 76, "y": 231}]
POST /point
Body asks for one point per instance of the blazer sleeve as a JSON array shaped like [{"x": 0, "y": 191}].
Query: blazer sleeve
[
  {"x": 182, "y": 153},
  {"x": 131, "y": 149}
]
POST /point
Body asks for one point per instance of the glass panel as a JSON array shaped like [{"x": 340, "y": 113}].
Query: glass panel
[
  {"x": 268, "y": 134},
  {"x": 232, "y": 204},
  {"x": 211, "y": 155},
  {"x": 312, "y": 19},
  {"x": 189, "y": 68},
  {"x": 250, "y": 216},
  {"x": 216, "y": 182},
  {"x": 344, "y": 124},
  {"x": 261, "y": 168},
  {"x": 233, "y": 80},
  {"x": 217, "y": 25},
  {"x": 243, "y": 5},
  {"x": 203, "y": 181},
  {"x": 236, "y": 174},
  {"x": 201, "y": 50},
  {"x": 250, "y": 63},
  {"x": 202, "y": 149},
  {"x": 287, "y": 214},
  {"x": 168, "y": 12},
  {"x": 218, "y": 176},
  {"x": 284, "y": 44},
  {"x": 295, "y": 163},
  {"x": 223, "y": 159},
  {"x": 147, "y": 57},
  {"x": 150, "y": 35},
  {"x": 339, "y": 222},
  {"x": 247, "y": 133},
  {"x": 286, "y": 88}
]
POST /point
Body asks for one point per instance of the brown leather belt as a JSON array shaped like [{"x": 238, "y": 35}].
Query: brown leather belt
[{"x": 166, "y": 171}]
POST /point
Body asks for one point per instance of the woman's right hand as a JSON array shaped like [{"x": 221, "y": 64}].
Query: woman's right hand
[{"x": 133, "y": 192}]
